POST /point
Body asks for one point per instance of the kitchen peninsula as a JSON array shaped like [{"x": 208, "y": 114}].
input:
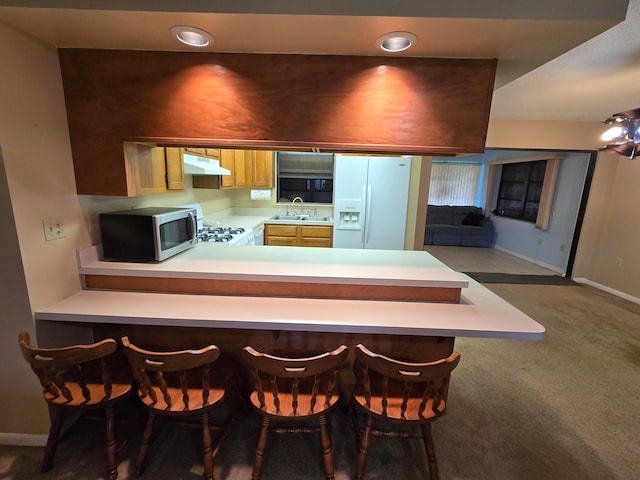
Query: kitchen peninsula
[{"x": 284, "y": 321}]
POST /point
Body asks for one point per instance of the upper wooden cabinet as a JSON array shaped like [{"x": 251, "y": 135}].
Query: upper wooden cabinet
[
  {"x": 204, "y": 152},
  {"x": 260, "y": 168},
  {"x": 249, "y": 169},
  {"x": 233, "y": 160},
  {"x": 153, "y": 170}
]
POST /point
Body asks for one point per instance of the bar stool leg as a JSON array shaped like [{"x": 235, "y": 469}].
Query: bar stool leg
[
  {"x": 326, "y": 447},
  {"x": 206, "y": 445},
  {"x": 52, "y": 440},
  {"x": 365, "y": 442},
  {"x": 262, "y": 443},
  {"x": 144, "y": 446},
  {"x": 110, "y": 436},
  {"x": 431, "y": 451}
]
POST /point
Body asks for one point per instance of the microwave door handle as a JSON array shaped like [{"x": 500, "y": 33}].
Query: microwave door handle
[{"x": 194, "y": 227}]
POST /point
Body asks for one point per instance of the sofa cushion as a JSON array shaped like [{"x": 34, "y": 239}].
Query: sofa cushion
[
  {"x": 473, "y": 218},
  {"x": 439, "y": 215},
  {"x": 460, "y": 212},
  {"x": 484, "y": 229}
]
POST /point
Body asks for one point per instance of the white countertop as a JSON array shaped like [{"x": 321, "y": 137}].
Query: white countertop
[
  {"x": 481, "y": 313},
  {"x": 288, "y": 264},
  {"x": 256, "y": 217}
]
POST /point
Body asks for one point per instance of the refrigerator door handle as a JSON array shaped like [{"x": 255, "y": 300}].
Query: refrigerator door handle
[
  {"x": 363, "y": 217},
  {"x": 368, "y": 214}
]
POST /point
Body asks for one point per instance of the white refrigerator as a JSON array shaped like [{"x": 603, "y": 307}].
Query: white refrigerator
[{"x": 370, "y": 196}]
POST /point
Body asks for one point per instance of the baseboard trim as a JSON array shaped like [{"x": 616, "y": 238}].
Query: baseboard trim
[
  {"x": 23, "y": 439},
  {"x": 532, "y": 260},
  {"x": 610, "y": 290}
]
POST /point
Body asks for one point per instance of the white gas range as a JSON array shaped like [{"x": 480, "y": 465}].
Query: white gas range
[
  {"x": 215, "y": 232},
  {"x": 237, "y": 236}
]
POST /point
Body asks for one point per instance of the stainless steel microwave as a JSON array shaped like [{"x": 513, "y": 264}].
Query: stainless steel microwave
[{"x": 148, "y": 234}]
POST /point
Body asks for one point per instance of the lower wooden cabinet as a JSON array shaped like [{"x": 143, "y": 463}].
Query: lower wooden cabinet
[{"x": 298, "y": 235}]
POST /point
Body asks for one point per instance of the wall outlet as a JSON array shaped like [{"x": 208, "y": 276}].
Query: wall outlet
[
  {"x": 53, "y": 228},
  {"x": 539, "y": 241},
  {"x": 93, "y": 222},
  {"x": 562, "y": 247},
  {"x": 618, "y": 262}
]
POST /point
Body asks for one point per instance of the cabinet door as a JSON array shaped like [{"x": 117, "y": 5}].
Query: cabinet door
[
  {"x": 175, "y": 169},
  {"x": 227, "y": 160},
  {"x": 200, "y": 152},
  {"x": 212, "y": 153},
  {"x": 240, "y": 168},
  {"x": 204, "y": 152},
  {"x": 261, "y": 169},
  {"x": 147, "y": 168},
  {"x": 234, "y": 160}
]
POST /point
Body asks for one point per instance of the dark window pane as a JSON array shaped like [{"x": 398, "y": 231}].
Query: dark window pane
[{"x": 520, "y": 190}]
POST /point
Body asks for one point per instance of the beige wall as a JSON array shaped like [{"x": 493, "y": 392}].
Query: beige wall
[
  {"x": 611, "y": 227},
  {"x": 36, "y": 154}
]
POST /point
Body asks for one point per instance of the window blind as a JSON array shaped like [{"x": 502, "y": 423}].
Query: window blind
[{"x": 454, "y": 183}]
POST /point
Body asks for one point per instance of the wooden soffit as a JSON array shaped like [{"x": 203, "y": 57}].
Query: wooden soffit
[{"x": 420, "y": 106}]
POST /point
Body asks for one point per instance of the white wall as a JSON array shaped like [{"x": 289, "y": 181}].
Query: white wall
[
  {"x": 551, "y": 247},
  {"x": 611, "y": 223}
]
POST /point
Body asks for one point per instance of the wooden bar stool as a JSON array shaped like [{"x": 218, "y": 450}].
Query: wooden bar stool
[
  {"x": 181, "y": 384},
  {"x": 294, "y": 390},
  {"x": 79, "y": 378},
  {"x": 400, "y": 393}
]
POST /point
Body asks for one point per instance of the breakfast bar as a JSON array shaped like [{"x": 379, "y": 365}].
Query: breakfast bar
[{"x": 284, "y": 321}]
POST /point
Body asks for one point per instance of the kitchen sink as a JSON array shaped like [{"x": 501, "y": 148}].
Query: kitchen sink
[{"x": 300, "y": 218}]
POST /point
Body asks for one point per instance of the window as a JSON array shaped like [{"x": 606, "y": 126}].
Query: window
[
  {"x": 454, "y": 183},
  {"x": 307, "y": 175},
  {"x": 521, "y": 190}
]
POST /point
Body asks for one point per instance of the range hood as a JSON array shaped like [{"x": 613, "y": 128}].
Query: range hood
[{"x": 195, "y": 165}]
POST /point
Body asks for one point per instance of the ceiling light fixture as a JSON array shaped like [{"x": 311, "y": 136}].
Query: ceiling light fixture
[
  {"x": 396, "y": 41},
  {"x": 192, "y": 36},
  {"x": 623, "y": 136}
]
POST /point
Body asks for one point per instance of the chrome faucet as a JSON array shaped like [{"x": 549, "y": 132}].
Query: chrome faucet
[{"x": 298, "y": 197}]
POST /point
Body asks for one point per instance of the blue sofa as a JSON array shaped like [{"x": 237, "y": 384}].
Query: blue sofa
[{"x": 464, "y": 226}]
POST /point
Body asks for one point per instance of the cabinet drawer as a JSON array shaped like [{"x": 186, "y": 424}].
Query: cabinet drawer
[
  {"x": 315, "y": 242},
  {"x": 282, "y": 241},
  {"x": 281, "y": 230},
  {"x": 315, "y": 231}
]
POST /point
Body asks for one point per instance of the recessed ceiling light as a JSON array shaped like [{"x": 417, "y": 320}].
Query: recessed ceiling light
[
  {"x": 396, "y": 41},
  {"x": 192, "y": 36}
]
